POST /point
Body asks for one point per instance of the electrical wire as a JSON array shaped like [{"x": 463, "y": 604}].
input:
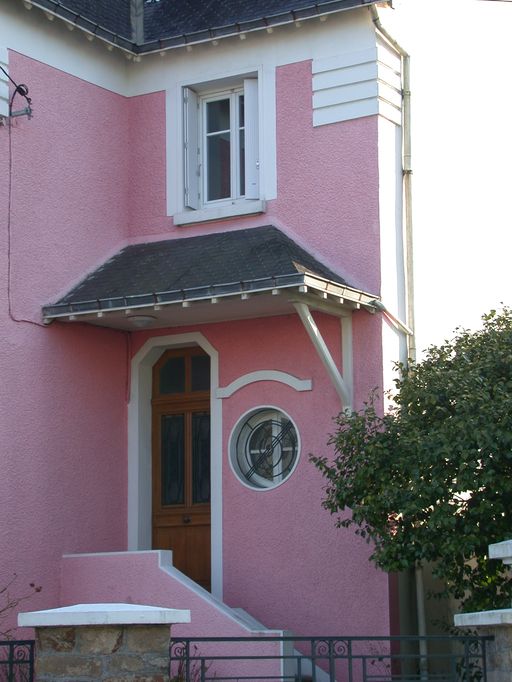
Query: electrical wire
[{"x": 22, "y": 90}]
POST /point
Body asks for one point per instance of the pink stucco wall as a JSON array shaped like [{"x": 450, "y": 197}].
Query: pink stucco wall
[
  {"x": 63, "y": 388},
  {"x": 284, "y": 560},
  {"x": 88, "y": 176},
  {"x": 327, "y": 181}
]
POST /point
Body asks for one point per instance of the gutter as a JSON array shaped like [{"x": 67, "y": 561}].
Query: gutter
[
  {"x": 135, "y": 50},
  {"x": 407, "y": 184}
]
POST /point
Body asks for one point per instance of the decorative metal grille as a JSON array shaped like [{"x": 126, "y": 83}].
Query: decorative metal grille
[
  {"x": 17, "y": 661},
  {"x": 265, "y": 449},
  {"x": 329, "y": 659}
]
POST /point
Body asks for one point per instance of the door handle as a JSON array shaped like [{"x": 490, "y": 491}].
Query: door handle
[{"x": 186, "y": 519}]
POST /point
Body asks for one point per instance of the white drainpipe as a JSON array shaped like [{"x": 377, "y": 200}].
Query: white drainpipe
[
  {"x": 407, "y": 177},
  {"x": 409, "y": 326},
  {"x": 324, "y": 354}
]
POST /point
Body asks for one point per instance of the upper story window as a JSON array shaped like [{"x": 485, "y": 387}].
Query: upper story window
[
  {"x": 221, "y": 151},
  {"x": 223, "y": 146}
]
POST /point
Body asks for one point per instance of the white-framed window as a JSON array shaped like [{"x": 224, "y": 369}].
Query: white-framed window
[
  {"x": 221, "y": 145},
  {"x": 264, "y": 448}
]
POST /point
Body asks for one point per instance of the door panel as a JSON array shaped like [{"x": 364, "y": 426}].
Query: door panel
[{"x": 181, "y": 461}]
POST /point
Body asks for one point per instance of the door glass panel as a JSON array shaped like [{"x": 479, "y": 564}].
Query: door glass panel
[
  {"x": 172, "y": 376},
  {"x": 200, "y": 457},
  {"x": 172, "y": 459},
  {"x": 200, "y": 372}
]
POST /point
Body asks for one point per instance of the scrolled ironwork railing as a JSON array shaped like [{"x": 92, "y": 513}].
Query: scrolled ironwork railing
[
  {"x": 329, "y": 659},
  {"x": 17, "y": 660}
]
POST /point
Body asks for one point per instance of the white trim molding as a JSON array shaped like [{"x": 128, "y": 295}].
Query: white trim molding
[
  {"x": 139, "y": 446},
  {"x": 357, "y": 84},
  {"x": 264, "y": 375}
]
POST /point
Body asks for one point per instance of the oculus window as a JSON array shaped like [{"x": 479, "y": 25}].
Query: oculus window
[{"x": 264, "y": 448}]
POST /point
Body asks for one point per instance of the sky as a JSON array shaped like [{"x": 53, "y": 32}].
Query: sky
[{"x": 461, "y": 84}]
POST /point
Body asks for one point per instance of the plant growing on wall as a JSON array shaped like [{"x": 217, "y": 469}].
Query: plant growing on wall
[
  {"x": 431, "y": 480},
  {"x": 9, "y": 603}
]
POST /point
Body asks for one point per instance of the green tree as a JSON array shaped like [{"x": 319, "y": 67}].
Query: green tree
[{"x": 431, "y": 479}]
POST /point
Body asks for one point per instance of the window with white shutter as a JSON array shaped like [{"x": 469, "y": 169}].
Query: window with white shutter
[{"x": 221, "y": 145}]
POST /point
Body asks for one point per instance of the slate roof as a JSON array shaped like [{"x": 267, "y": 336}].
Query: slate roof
[
  {"x": 161, "y": 24},
  {"x": 176, "y": 269}
]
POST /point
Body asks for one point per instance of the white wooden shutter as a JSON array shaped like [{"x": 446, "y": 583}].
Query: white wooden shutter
[
  {"x": 191, "y": 147},
  {"x": 252, "y": 170},
  {"x": 4, "y": 83}
]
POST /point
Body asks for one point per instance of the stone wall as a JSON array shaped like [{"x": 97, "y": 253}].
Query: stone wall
[
  {"x": 499, "y": 653},
  {"x": 112, "y": 653}
]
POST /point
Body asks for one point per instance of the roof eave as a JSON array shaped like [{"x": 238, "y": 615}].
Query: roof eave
[
  {"x": 132, "y": 49},
  {"x": 329, "y": 293}
]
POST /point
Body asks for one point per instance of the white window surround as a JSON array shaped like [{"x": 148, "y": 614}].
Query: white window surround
[
  {"x": 139, "y": 446},
  {"x": 219, "y": 212},
  {"x": 265, "y": 485},
  {"x": 264, "y": 375},
  {"x": 265, "y": 153}
]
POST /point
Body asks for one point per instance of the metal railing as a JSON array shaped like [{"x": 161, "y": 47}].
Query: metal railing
[
  {"x": 17, "y": 660},
  {"x": 329, "y": 659}
]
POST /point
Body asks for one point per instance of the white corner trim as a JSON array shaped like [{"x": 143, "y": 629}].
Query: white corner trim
[
  {"x": 235, "y": 208},
  {"x": 139, "y": 446},
  {"x": 104, "y": 614},
  {"x": 264, "y": 375},
  {"x": 347, "y": 358},
  {"x": 357, "y": 84}
]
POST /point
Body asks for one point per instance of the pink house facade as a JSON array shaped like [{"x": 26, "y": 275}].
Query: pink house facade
[{"x": 203, "y": 262}]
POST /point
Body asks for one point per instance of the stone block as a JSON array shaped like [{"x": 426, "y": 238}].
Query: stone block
[
  {"x": 67, "y": 667},
  {"x": 55, "y": 639},
  {"x": 122, "y": 662},
  {"x": 145, "y": 678},
  {"x": 99, "y": 639},
  {"x": 148, "y": 638}
]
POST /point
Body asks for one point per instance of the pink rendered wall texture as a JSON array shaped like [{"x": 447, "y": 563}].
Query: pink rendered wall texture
[
  {"x": 63, "y": 388},
  {"x": 87, "y": 177}
]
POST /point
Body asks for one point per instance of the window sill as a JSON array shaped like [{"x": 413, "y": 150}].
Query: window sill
[{"x": 203, "y": 215}]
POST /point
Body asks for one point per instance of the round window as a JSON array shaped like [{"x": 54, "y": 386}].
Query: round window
[{"x": 264, "y": 448}]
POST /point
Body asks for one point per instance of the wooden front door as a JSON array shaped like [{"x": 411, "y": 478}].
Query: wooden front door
[{"x": 181, "y": 460}]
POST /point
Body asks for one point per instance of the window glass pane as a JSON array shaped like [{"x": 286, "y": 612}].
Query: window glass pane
[
  {"x": 200, "y": 457},
  {"x": 241, "y": 112},
  {"x": 172, "y": 376},
  {"x": 172, "y": 459},
  {"x": 219, "y": 166},
  {"x": 200, "y": 372},
  {"x": 217, "y": 116},
  {"x": 242, "y": 162},
  {"x": 264, "y": 448}
]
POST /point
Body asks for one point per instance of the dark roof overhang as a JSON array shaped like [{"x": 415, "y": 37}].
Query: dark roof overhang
[
  {"x": 257, "y": 272},
  {"x": 299, "y": 10}
]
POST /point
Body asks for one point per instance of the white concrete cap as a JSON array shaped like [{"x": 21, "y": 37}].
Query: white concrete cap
[
  {"x": 497, "y": 617},
  {"x": 501, "y": 550},
  {"x": 104, "y": 614}
]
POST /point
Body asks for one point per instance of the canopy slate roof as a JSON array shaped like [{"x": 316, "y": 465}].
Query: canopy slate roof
[
  {"x": 147, "y": 25},
  {"x": 248, "y": 260}
]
